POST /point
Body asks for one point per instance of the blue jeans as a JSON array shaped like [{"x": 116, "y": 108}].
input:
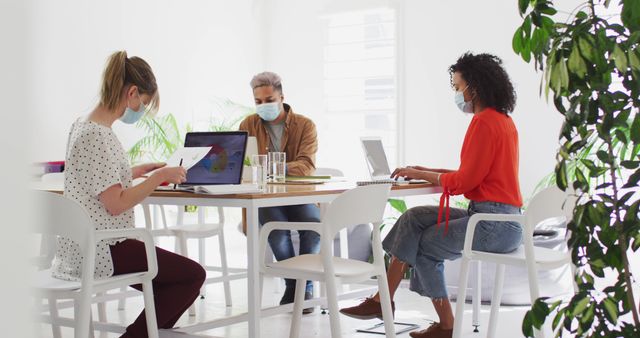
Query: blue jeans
[
  {"x": 415, "y": 239},
  {"x": 280, "y": 240}
]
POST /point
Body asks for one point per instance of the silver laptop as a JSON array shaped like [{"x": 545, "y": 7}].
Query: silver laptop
[
  {"x": 377, "y": 162},
  {"x": 376, "y": 158}
]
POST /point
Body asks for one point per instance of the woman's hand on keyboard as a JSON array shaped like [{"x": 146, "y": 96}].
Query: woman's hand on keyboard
[{"x": 409, "y": 173}]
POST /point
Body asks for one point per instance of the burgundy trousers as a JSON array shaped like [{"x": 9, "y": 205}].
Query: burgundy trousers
[{"x": 175, "y": 287}]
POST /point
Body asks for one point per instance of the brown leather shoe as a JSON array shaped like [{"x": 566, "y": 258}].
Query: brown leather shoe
[
  {"x": 433, "y": 331},
  {"x": 368, "y": 309}
]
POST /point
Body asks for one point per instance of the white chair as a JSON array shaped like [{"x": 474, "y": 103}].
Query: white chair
[
  {"x": 66, "y": 218},
  {"x": 329, "y": 172},
  {"x": 360, "y": 205},
  {"x": 201, "y": 231},
  {"x": 47, "y": 250},
  {"x": 549, "y": 203}
]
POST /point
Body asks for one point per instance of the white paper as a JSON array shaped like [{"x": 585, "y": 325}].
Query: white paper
[{"x": 189, "y": 156}]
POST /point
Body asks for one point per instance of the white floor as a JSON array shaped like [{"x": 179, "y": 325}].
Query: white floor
[{"x": 411, "y": 308}]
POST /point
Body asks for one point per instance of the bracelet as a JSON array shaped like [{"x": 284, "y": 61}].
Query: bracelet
[{"x": 438, "y": 178}]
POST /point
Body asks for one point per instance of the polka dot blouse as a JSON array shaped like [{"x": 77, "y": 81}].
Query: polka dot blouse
[{"x": 95, "y": 161}]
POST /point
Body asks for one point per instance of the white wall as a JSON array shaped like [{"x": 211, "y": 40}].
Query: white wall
[
  {"x": 16, "y": 211},
  {"x": 200, "y": 50},
  {"x": 435, "y": 35}
]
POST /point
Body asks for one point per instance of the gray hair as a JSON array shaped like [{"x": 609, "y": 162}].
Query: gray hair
[{"x": 267, "y": 79}]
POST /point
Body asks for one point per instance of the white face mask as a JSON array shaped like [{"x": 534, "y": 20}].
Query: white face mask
[
  {"x": 464, "y": 106},
  {"x": 268, "y": 111},
  {"x": 131, "y": 116}
]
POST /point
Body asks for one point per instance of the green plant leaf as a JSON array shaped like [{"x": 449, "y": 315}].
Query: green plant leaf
[
  {"x": 527, "y": 324},
  {"x": 635, "y": 129},
  {"x": 398, "y": 205},
  {"x": 611, "y": 310},
  {"x": 522, "y": 6},
  {"x": 620, "y": 59},
  {"x": 540, "y": 311},
  {"x": 621, "y": 136},
  {"x": 580, "y": 306},
  {"x": 576, "y": 63},
  {"x": 586, "y": 49},
  {"x": 633, "y": 180},
  {"x": 561, "y": 175},
  {"x": 630, "y": 15},
  {"x": 516, "y": 42},
  {"x": 634, "y": 60}
]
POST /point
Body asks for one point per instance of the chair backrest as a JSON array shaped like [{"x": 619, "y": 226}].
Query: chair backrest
[
  {"x": 360, "y": 205},
  {"x": 61, "y": 216},
  {"x": 329, "y": 172},
  {"x": 549, "y": 203}
]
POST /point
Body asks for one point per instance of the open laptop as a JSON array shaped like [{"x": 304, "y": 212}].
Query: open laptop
[
  {"x": 377, "y": 163},
  {"x": 221, "y": 169}
]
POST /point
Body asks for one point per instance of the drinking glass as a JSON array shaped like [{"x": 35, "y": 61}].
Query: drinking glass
[
  {"x": 277, "y": 166},
  {"x": 259, "y": 167}
]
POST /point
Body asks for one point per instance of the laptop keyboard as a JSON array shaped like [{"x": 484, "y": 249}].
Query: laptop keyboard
[{"x": 385, "y": 181}]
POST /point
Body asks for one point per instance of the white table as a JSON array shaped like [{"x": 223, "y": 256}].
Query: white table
[{"x": 276, "y": 195}]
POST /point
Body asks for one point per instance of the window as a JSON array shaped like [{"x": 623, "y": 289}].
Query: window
[{"x": 360, "y": 91}]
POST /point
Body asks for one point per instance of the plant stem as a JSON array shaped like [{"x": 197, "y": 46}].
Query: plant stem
[{"x": 622, "y": 238}]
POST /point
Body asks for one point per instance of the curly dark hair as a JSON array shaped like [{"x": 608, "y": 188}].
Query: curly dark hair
[{"x": 487, "y": 79}]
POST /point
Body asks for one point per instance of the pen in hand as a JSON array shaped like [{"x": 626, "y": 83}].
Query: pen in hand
[{"x": 174, "y": 185}]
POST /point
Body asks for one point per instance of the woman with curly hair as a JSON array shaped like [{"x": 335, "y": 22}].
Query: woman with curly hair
[{"x": 487, "y": 176}]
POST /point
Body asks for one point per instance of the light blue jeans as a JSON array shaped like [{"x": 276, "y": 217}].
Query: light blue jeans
[{"x": 417, "y": 240}]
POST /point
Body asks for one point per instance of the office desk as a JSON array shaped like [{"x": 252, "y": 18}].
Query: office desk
[{"x": 275, "y": 195}]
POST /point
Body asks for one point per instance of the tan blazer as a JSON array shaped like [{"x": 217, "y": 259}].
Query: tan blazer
[{"x": 299, "y": 141}]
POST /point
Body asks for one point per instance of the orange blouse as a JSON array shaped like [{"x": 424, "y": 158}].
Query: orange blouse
[{"x": 488, "y": 162}]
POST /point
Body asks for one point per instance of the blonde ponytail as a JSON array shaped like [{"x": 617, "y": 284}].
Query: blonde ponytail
[
  {"x": 113, "y": 80},
  {"x": 121, "y": 72}
]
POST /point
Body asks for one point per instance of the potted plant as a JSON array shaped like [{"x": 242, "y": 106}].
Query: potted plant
[{"x": 591, "y": 65}]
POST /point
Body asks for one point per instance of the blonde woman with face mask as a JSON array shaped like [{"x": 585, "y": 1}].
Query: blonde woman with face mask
[{"x": 98, "y": 176}]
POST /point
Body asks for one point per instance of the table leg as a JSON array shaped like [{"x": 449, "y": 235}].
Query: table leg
[{"x": 253, "y": 273}]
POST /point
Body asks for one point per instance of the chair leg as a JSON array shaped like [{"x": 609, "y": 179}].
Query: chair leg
[
  {"x": 298, "y": 303},
  {"x": 495, "y": 300},
  {"x": 225, "y": 267},
  {"x": 202, "y": 260},
  {"x": 122, "y": 302},
  {"x": 82, "y": 315},
  {"x": 462, "y": 294},
  {"x": 92, "y": 331},
  {"x": 477, "y": 297},
  {"x": 323, "y": 293},
  {"x": 534, "y": 290},
  {"x": 332, "y": 298},
  {"x": 53, "y": 312},
  {"x": 150, "y": 309},
  {"x": 385, "y": 300},
  {"x": 102, "y": 310}
]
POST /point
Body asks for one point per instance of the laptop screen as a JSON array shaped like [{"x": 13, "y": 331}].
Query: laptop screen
[
  {"x": 223, "y": 163},
  {"x": 376, "y": 158}
]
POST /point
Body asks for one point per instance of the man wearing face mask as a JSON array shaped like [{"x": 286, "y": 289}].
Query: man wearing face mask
[
  {"x": 278, "y": 129},
  {"x": 425, "y": 236}
]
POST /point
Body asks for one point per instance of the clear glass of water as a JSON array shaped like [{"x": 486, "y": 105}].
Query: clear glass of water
[
  {"x": 259, "y": 167},
  {"x": 277, "y": 166}
]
